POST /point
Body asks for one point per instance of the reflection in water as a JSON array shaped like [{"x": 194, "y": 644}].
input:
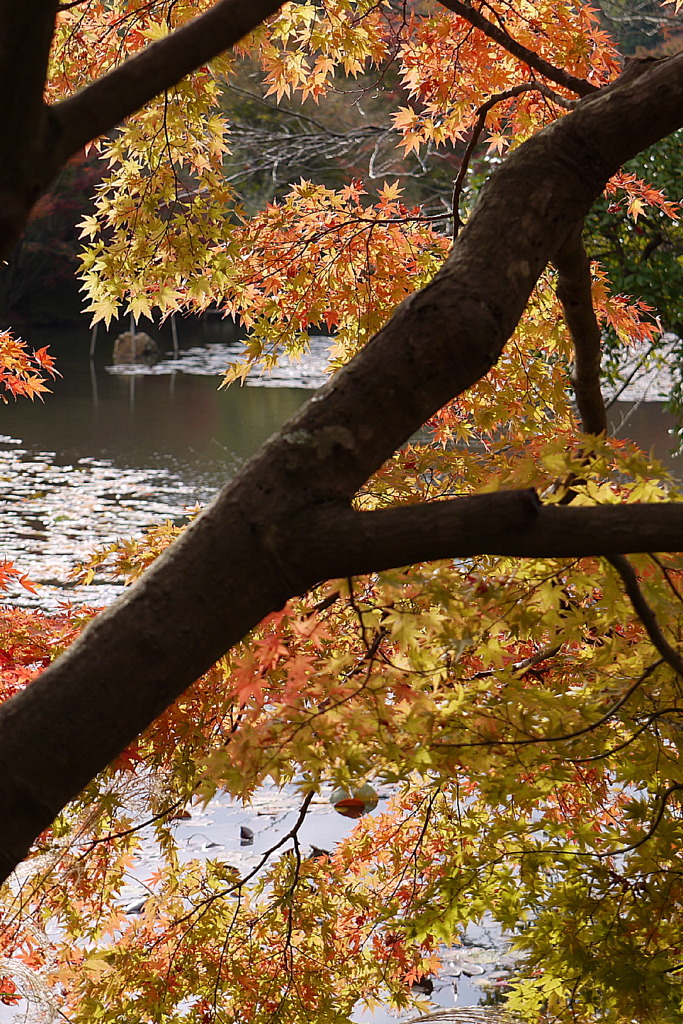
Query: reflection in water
[
  {"x": 114, "y": 449},
  {"x": 108, "y": 454},
  {"x": 176, "y": 421},
  {"x": 54, "y": 514}
]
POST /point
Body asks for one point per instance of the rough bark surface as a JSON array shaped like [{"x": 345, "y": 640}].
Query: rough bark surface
[{"x": 248, "y": 552}]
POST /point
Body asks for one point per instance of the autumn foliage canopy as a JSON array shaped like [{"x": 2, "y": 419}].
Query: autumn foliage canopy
[{"x": 525, "y": 711}]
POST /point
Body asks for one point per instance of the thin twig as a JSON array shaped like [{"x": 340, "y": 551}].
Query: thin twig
[
  {"x": 639, "y": 366},
  {"x": 605, "y": 754},
  {"x": 666, "y": 572},
  {"x": 520, "y": 667},
  {"x": 675, "y": 787},
  {"x": 299, "y": 115},
  {"x": 136, "y": 828},
  {"x": 242, "y": 881},
  {"x": 323, "y": 605},
  {"x": 478, "y": 128},
  {"x": 563, "y": 737}
]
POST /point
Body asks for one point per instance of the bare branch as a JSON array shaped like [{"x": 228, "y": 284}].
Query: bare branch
[
  {"x": 558, "y": 75},
  {"x": 270, "y": 149},
  {"x": 574, "y": 292}
]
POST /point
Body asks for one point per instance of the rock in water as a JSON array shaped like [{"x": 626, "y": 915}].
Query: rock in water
[{"x": 136, "y": 348}]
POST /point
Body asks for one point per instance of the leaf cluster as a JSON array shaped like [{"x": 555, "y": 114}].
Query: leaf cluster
[{"x": 519, "y": 711}]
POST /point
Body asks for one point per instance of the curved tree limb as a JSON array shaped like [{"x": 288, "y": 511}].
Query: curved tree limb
[
  {"x": 574, "y": 292},
  {"x": 341, "y": 540},
  {"x": 558, "y": 75},
  {"x": 242, "y": 558},
  {"x": 36, "y": 140}
]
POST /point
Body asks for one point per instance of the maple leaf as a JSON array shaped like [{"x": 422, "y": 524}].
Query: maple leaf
[
  {"x": 636, "y": 207},
  {"x": 299, "y": 668},
  {"x": 390, "y": 193},
  {"x": 46, "y": 361}
]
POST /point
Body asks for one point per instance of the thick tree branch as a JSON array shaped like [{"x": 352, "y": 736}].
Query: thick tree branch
[
  {"x": 104, "y": 103},
  {"x": 231, "y": 566},
  {"x": 36, "y": 140},
  {"x": 342, "y": 541},
  {"x": 25, "y": 40},
  {"x": 574, "y": 293},
  {"x": 558, "y": 75}
]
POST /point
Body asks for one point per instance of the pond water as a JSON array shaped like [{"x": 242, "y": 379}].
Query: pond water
[
  {"x": 112, "y": 450},
  {"x": 471, "y": 971},
  {"x": 115, "y": 449}
]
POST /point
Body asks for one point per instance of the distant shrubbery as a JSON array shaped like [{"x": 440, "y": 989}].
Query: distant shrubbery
[{"x": 39, "y": 280}]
